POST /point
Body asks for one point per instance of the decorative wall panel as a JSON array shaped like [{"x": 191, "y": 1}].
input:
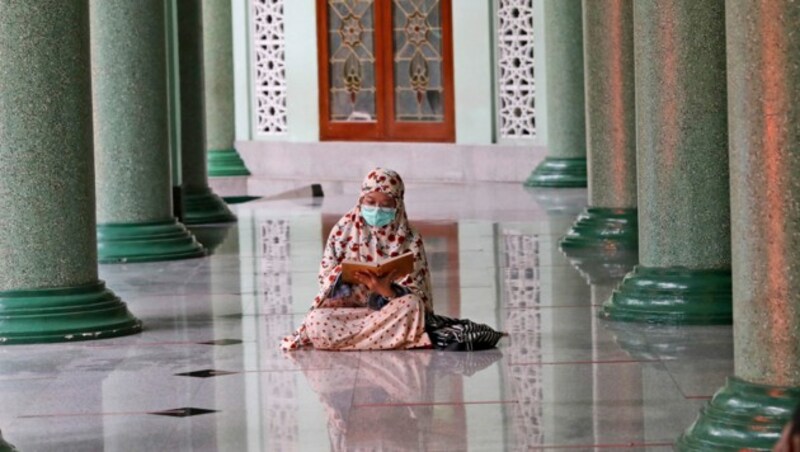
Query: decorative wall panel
[
  {"x": 522, "y": 295},
  {"x": 516, "y": 113},
  {"x": 269, "y": 66},
  {"x": 417, "y": 39}
]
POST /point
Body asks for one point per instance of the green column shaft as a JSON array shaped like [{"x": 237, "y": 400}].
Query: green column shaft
[
  {"x": 684, "y": 215},
  {"x": 566, "y": 125},
  {"x": 611, "y": 218},
  {"x": 218, "y": 69},
  {"x": 764, "y": 82},
  {"x": 49, "y": 289},
  {"x": 47, "y": 185},
  {"x": 193, "y": 122},
  {"x": 610, "y": 109},
  {"x": 201, "y": 205},
  {"x": 223, "y": 160},
  {"x": 565, "y": 165},
  {"x": 173, "y": 88},
  {"x": 682, "y": 166},
  {"x": 764, "y": 119},
  {"x": 131, "y": 134}
]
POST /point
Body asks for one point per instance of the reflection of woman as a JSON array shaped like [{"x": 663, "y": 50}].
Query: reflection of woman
[
  {"x": 380, "y": 313},
  {"x": 382, "y": 401}
]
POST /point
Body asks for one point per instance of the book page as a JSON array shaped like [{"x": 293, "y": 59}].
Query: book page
[{"x": 403, "y": 264}]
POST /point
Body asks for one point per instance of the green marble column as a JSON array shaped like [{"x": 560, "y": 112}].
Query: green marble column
[
  {"x": 764, "y": 119},
  {"x": 223, "y": 160},
  {"x": 201, "y": 205},
  {"x": 6, "y": 446},
  {"x": 610, "y": 219},
  {"x": 565, "y": 165},
  {"x": 684, "y": 275},
  {"x": 131, "y": 135},
  {"x": 49, "y": 288}
]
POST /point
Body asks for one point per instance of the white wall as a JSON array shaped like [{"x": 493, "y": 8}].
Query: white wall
[{"x": 473, "y": 62}]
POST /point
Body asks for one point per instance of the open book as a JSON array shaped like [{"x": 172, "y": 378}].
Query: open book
[{"x": 403, "y": 264}]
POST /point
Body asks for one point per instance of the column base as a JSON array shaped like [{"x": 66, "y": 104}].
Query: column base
[
  {"x": 239, "y": 199},
  {"x": 673, "y": 295},
  {"x": 79, "y": 313},
  {"x": 5, "y": 446},
  {"x": 559, "y": 173},
  {"x": 202, "y": 206},
  {"x": 603, "y": 228},
  {"x": 601, "y": 266},
  {"x": 741, "y": 416},
  {"x": 225, "y": 163},
  {"x": 146, "y": 242},
  {"x": 211, "y": 236}
]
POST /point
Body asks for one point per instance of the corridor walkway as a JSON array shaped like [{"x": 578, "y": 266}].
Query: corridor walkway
[{"x": 207, "y": 374}]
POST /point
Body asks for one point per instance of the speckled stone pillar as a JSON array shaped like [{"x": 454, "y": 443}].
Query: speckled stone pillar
[
  {"x": 682, "y": 167},
  {"x": 764, "y": 118},
  {"x": 6, "y": 446},
  {"x": 131, "y": 135},
  {"x": 223, "y": 160},
  {"x": 610, "y": 219},
  {"x": 565, "y": 165},
  {"x": 201, "y": 205},
  {"x": 49, "y": 288}
]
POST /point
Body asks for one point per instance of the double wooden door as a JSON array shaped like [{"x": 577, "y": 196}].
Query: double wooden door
[{"x": 385, "y": 70}]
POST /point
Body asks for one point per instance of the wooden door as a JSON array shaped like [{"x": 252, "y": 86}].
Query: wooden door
[{"x": 385, "y": 70}]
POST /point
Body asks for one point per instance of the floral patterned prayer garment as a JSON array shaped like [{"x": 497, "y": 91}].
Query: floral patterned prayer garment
[{"x": 353, "y": 239}]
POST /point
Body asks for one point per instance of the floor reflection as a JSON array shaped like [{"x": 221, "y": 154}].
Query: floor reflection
[
  {"x": 396, "y": 399},
  {"x": 564, "y": 379}
]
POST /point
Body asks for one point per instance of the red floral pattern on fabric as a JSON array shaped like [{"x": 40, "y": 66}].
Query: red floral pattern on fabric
[{"x": 352, "y": 239}]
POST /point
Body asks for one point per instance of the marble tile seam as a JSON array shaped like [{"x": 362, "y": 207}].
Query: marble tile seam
[
  {"x": 435, "y": 403},
  {"x": 680, "y": 389},
  {"x": 263, "y": 371},
  {"x": 586, "y": 362},
  {"x": 627, "y": 445},
  {"x": 88, "y": 414}
]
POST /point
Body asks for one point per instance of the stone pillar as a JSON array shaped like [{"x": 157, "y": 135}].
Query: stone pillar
[
  {"x": 49, "y": 289},
  {"x": 173, "y": 89},
  {"x": 223, "y": 160},
  {"x": 764, "y": 119},
  {"x": 5, "y": 446},
  {"x": 565, "y": 165},
  {"x": 610, "y": 219},
  {"x": 201, "y": 204},
  {"x": 131, "y": 135},
  {"x": 684, "y": 274}
]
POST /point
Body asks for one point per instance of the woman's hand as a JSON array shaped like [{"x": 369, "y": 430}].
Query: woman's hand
[{"x": 381, "y": 286}]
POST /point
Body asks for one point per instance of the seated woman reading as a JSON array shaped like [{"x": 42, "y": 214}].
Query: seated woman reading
[{"x": 380, "y": 312}]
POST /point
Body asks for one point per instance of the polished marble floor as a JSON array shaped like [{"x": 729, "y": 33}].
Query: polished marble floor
[{"x": 207, "y": 374}]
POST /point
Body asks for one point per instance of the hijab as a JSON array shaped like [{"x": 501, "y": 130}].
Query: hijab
[{"x": 352, "y": 238}]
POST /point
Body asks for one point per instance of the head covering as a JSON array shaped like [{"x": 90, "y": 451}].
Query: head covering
[{"x": 353, "y": 239}]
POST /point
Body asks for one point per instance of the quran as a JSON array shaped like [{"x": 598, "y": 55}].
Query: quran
[{"x": 402, "y": 264}]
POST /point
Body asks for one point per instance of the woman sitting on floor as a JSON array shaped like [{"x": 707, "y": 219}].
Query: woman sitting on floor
[{"x": 380, "y": 313}]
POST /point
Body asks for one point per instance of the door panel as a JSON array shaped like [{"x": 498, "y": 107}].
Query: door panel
[{"x": 385, "y": 70}]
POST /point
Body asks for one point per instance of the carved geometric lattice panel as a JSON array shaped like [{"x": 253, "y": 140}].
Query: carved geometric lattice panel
[
  {"x": 521, "y": 284},
  {"x": 274, "y": 261},
  {"x": 269, "y": 67},
  {"x": 515, "y": 85}
]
